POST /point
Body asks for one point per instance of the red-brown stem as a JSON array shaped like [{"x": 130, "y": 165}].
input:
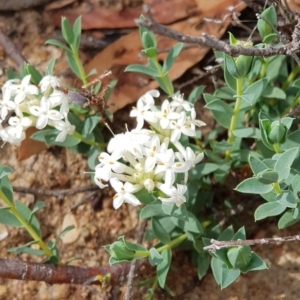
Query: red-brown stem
[{"x": 21, "y": 270}]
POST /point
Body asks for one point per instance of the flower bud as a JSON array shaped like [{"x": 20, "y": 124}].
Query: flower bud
[
  {"x": 277, "y": 132},
  {"x": 119, "y": 251},
  {"x": 243, "y": 65}
]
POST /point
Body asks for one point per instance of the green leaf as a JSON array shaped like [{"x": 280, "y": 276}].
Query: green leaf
[
  {"x": 203, "y": 261},
  {"x": 4, "y": 171},
  {"x": 62, "y": 233},
  {"x": 142, "y": 69},
  {"x": 287, "y": 219},
  {"x": 221, "y": 111},
  {"x": 255, "y": 264},
  {"x": 284, "y": 163},
  {"x": 287, "y": 199},
  {"x": 247, "y": 133},
  {"x": 26, "y": 213},
  {"x": 202, "y": 169},
  {"x": 160, "y": 232},
  {"x": 67, "y": 31},
  {"x": 192, "y": 224},
  {"x": 267, "y": 176},
  {"x": 239, "y": 256},
  {"x": 6, "y": 188},
  {"x": 166, "y": 85},
  {"x": 132, "y": 246},
  {"x": 268, "y": 210},
  {"x": 36, "y": 76},
  {"x": 263, "y": 27},
  {"x": 155, "y": 258},
  {"x": 7, "y": 218},
  {"x": 25, "y": 249},
  {"x": 73, "y": 65},
  {"x": 89, "y": 125},
  {"x": 148, "y": 39},
  {"x": 163, "y": 268},
  {"x": 195, "y": 94},
  {"x": 227, "y": 234},
  {"x": 254, "y": 91},
  {"x": 176, "y": 212},
  {"x": 257, "y": 165},
  {"x": 253, "y": 186},
  {"x": 171, "y": 57},
  {"x": 145, "y": 197},
  {"x": 240, "y": 234},
  {"x": 152, "y": 210},
  {"x": 58, "y": 44},
  {"x": 229, "y": 64},
  {"x": 77, "y": 33},
  {"x": 50, "y": 66},
  {"x": 274, "y": 92},
  {"x": 223, "y": 276}
]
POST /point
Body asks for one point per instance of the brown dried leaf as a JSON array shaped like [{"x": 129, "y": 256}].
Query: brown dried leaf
[
  {"x": 94, "y": 16},
  {"x": 127, "y": 49},
  {"x": 29, "y": 146}
]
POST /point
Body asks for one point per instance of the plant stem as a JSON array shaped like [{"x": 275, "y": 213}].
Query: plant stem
[
  {"x": 88, "y": 142},
  {"x": 27, "y": 226},
  {"x": 277, "y": 188},
  {"x": 293, "y": 74},
  {"x": 173, "y": 243},
  {"x": 236, "y": 110},
  {"x": 79, "y": 65},
  {"x": 277, "y": 148}
]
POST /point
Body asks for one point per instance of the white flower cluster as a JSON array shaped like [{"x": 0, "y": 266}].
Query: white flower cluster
[
  {"x": 26, "y": 105},
  {"x": 145, "y": 159}
]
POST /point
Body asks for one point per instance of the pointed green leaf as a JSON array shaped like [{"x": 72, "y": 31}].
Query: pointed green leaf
[
  {"x": 160, "y": 232},
  {"x": 155, "y": 258},
  {"x": 171, "y": 57},
  {"x": 253, "y": 186},
  {"x": 163, "y": 267},
  {"x": 142, "y": 69},
  {"x": 268, "y": 210}
]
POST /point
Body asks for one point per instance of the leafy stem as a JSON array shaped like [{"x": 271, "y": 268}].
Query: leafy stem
[
  {"x": 79, "y": 65},
  {"x": 25, "y": 224},
  {"x": 236, "y": 110}
]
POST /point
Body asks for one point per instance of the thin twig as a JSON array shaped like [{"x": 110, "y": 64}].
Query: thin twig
[
  {"x": 133, "y": 264},
  {"x": 55, "y": 193},
  {"x": 49, "y": 273},
  {"x": 11, "y": 50},
  {"x": 209, "y": 41},
  {"x": 217, "y": 245}
]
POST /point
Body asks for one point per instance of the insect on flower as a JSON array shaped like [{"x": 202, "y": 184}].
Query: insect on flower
[{"x": 86, "y": 97}]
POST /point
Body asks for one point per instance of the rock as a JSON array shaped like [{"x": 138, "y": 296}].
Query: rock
[{"x": 72, "y": 235}]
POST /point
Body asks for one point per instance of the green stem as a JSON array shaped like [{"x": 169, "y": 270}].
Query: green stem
[
  {"x": 79, "y": 65},
  {"x": 277, "y": 188},
  {"x": 277, "y": 148},
  {"x": 291, "y": 77},
  {"x": 236, "y": 110},
  {"x": 153, "y": 288},
  {"x": 164, "y": 78},
  {"x": 263, "y": 69},
  {"x": 175, "y": 242},
  {"x": 88, "y": 142},
  {"x": 27, "y": 226}
]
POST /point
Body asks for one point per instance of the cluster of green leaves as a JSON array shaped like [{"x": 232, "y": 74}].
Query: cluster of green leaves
[{"x": 16, "y": 214}]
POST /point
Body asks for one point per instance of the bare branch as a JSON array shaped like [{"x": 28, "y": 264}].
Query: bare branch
[
  {"x": 217, "y": 245},
  {"x": 21, "y": 270},
  {"x": 55, "y": 193},
  {"x": 209, "y": 41}
]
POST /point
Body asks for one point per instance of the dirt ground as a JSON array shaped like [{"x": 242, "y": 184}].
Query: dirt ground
[{"x": 99, "y": 224}]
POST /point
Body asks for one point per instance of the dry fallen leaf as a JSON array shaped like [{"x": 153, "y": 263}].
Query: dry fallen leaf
[
  {"x": 94, "y": 16},
  {"x": 127, "y": 50}
]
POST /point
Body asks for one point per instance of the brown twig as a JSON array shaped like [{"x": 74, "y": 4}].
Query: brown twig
[
  {"x": 133, "y": 264},
  {"x": 56, "y": 193},
  {"x": 49, "y": 273},
  {"x": 212, "y": 42},
  {"x": 10, "y": 49},
  {"x": 217, "y": 245}
]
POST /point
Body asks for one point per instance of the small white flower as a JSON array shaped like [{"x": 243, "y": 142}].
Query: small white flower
[
  {"x": 6, "y": 104},
  {"x": 166, "y": 115},
  {"x": 179, "y": 102},
  {"x": 193, "y": 121},
  {"x": 151, "y": 153},
  {"x": 44, "y": 113},
  {"x": 124, "y": 193},
  {"x": 48, "y": 82},
  {"x": 132, "y": 142},
  {"x": 65, "y": 128},
  {"x": 168, "y": 165},
  {"x": 99, "y": 182},
  {"x": 21, "y": 89},
  {"x": 13, "y": 135},
  {"x": 20, "y": 120},
  {"x": 176, "y": 195}
]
